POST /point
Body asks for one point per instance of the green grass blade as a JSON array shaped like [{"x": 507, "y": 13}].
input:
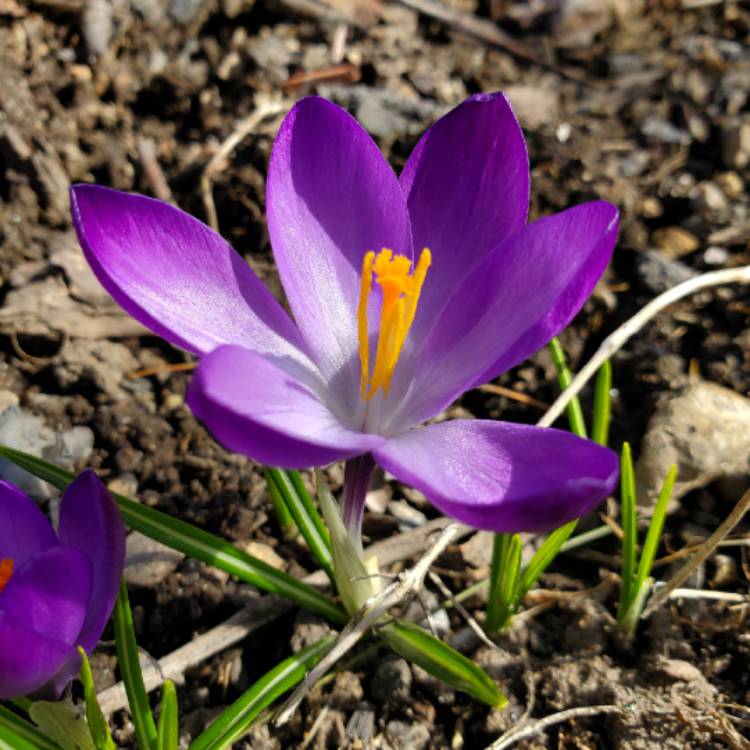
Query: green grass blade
[
  {"x": 25, "y": 729},
  {"x": 286, "y": 522},
  {"x": 542, "y": 558},
  {"x": 11, "y": 739},
  {"x": 167, "y": 733},
  {"x": 235, "y": 721},
  {"x": 194, "y": 542},
  {"x": 602, "y": 404},
  {"x": 312, "y": 509},
  {"x": 305, "y": 515},
  {"x": 504, "y": 574},
  {"x": 629, "y": 529},
  {"x": 130, "y": 671},
  {"x": 94, "y": 717},
  {"x": 438, "y": 659},
  {"x": 653, "y": 536},
  {"x": 564, "y": 378}
]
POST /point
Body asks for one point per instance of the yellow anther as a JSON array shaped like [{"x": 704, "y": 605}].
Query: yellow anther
[
  {"x": 6, "y": 571},
  {"x": 401, "y": 289}
]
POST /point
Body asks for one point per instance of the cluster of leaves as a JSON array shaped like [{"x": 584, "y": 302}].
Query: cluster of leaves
[{"x": 510, "y": 581}]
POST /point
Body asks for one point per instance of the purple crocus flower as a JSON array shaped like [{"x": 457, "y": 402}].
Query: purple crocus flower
[
  {"x": 57, "y": 591},
  {"x": 405, "y": 292}
]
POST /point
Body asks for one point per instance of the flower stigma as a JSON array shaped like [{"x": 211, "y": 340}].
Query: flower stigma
[
  {"x": 401, "y": 288},
  {"x": 6, "y": 571}
]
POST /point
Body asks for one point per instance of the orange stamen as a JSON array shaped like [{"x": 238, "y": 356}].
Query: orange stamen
[
  {"x": 401, "y": 287},
  {"x": 6, "y": 571}
]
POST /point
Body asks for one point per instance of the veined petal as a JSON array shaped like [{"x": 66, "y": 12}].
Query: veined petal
[
  {"x": 254, "y": 407},
  {"x": 50, "y": 594},
  {"x": 513, "y": 302},
  {"x": 91, "y": 523},
  {"x": 331, "y": 197},
  {"x": 176, "y": 276},
  {"x": 500, "y": 476},
  {"x": 25, "y": 531},
  {"x": 467, "y": 187},
  {"x": 30, "y": 660}
]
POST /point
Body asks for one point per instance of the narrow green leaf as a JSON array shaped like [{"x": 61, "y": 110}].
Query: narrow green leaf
[
  {"x": 309, "y": 502},
  {"x": 504, "y": 574},
  {"x": 629, "y": 528},
  {"x": 130, "y": 671},
  {"x": 25, "y": 729},
  {"x": 305, "y": 515},
  {"x": 602, "y": 404},
  {"x": 653, "y": 536},
  {"x": 584, "y": 538},
  {"x": 97, "y": 723},
  {"x": 10, "y": 739},
  {"x": 542, "y": 558},
  {"x": 440, "y": 660},
  {"x": 286, "y": 522},
  {"x": 194, "y": 542},
  {"x": 167, "y": 734},
  {"x": 564, "y": 378},
  {"x": 236, "y": 720}
]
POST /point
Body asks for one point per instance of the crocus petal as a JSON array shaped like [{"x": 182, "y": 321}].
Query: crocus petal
[
  {"x": 29, "y": 660},
  {"x": 90, "y": 522},
  {"x": 467, "y": 187},
  {"x": 515, "y": 300},
  {"x": 500, "y": 476},
  {"x": 331, "y": 197},
  {"x": 252, "y": 406},
  {"x": 24, "y": 529},
  {"x": 176, "y": 276},
  {"x": 50, "y": 594}
]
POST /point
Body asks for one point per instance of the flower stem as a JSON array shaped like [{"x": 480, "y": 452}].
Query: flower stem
[{"x": 357, "y": 474}]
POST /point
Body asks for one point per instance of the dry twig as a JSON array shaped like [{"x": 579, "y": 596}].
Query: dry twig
[
  {"x": 618, "y": 338},
  {"x": 470, "y": 621},
  {"x": 265, "y": 109},
  {"x": 703, "y": 552},
  {"x": 515, "y": 735},
  {"x": 152, "y": 170}
]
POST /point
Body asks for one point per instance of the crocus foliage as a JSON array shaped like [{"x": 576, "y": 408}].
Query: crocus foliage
[
  {"x": 404, "y": 291},
  {"x": 57, "y": 590}
]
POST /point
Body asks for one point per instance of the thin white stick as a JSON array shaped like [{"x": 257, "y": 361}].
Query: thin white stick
[
  {"x": 725, "y": 527},
  {"x": 723, "y": 596},
  {"x": 510, "y": 738},
  {"x": 217, "y": 162},
  {"x": 618, "y": 338}
]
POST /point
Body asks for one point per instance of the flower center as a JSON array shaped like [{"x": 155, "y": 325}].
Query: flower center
[
  {"x": 401, "y": 288},
  {"x": 6, "y": 571}
]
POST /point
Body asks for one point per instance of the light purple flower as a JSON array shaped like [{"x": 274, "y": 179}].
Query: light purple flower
[
  {"x": 344, "y": 381},
  {"x": 57, "y": 591}
]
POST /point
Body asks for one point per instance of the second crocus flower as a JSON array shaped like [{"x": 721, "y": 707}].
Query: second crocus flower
[{"x": 57, "y": 590}]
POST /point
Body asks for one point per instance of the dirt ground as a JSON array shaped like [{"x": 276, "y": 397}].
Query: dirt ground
[{"x": 644, "y": 104}]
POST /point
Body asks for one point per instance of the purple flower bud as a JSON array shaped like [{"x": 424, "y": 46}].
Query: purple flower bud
[{"x": 57, "y": 591}]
